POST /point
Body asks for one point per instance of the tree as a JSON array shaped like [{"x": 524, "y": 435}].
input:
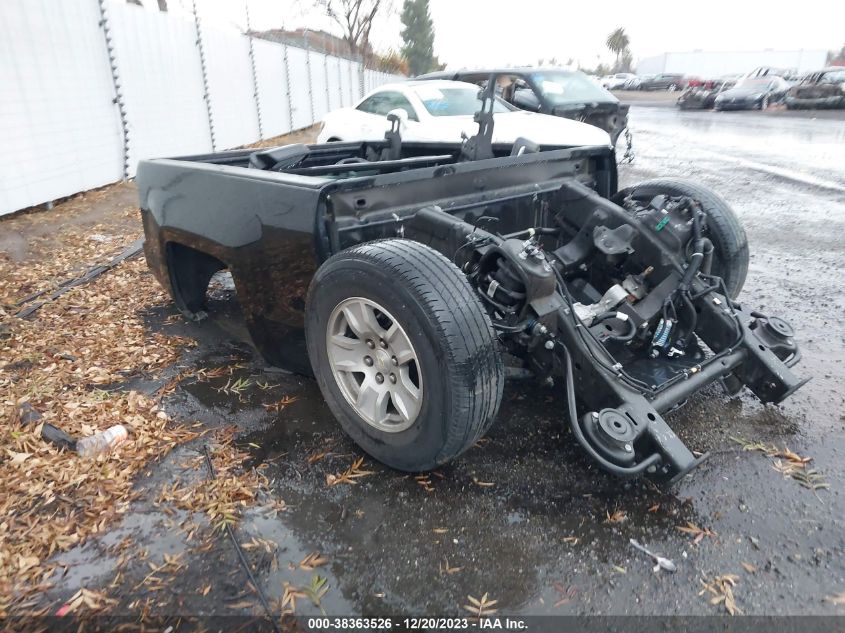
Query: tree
[
  {"x": 626, "y": 62},
  {"x": 355, "y": 18},
  {"x": 391, "y": 62},
  {"x": 418, "y": 37},
  {"x": 618, "y": 43}
]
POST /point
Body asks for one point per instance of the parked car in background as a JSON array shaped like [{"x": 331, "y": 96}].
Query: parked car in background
[
  {"x": 703, "y": 96},
  {"x": 820, "y": 89},
  {"x": 557, "y": 91},
  {"x": 664, "y": 81},
  {"x": 634, "y": 82},
  {"x": 617, "y": 81},
  {"x": 441, "y": 111},
  {"x": 787, "y": 74},
  {"x": 753, "y": 93}
]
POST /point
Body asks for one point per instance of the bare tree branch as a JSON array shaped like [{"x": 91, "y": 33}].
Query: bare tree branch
[{"x": 355, "y": 18}]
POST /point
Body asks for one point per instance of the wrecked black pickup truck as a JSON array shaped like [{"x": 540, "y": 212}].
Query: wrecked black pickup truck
[{"x": 404, "y": 275}]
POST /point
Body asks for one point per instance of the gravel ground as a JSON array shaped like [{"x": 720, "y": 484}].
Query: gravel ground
[{"x": 525, "y": 517}]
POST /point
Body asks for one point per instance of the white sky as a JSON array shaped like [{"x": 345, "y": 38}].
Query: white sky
[{"x": 514, "y": 32}]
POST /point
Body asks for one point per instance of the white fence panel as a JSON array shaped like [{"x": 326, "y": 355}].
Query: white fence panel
[
  {"x": 59, "y": 127},
  {"x": 344, "y": 85},
  {"x": 334, "y": 94},
  {"x": 319, "y": 85},
  {"x": 161, "y": 81},
  {"x": 299, "y": 87},
  {"x": 272, "y": 88},
  {"x": 230, "y": 85},
  {"x": 355, "y": 78}
]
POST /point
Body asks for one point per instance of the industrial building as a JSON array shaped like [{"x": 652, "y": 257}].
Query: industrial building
[{"x": 717, "y": 63}]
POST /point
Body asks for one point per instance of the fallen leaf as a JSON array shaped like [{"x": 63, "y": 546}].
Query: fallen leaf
[
  {"x": 617, "y": 517},
  {"x": 313, "y": 560},
  {"x": 18, "y": 458},
  {"x": 721, "y": 590},
  {"x": 446, "y": 569},
  {"x": 695, "y": 531},
  {"x": 480, "y": 607},
  {"x": 566, "y": 594},
  {"x": 350, "y": 475}
]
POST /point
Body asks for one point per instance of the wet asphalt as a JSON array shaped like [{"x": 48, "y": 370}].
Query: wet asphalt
[{"x": 524, "y": 516}]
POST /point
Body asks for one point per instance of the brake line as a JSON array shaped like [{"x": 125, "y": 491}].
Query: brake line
[{"x": 241, "y": 556}]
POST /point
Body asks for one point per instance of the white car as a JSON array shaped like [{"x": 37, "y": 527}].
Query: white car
[
  {"x": 440, "y": 111},
  {"x": 617, "y": 81}
]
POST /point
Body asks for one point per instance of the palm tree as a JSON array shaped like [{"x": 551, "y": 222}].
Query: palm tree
[{"x": 618, "y": 42}]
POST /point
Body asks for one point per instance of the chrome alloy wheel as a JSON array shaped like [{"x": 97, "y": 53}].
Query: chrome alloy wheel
[{"x": 375, "y": 364}]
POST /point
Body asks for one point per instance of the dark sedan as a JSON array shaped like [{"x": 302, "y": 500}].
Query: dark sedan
[
  {"x": 821, "y": 89},
  {"x": 556, "y": 91},
  {"x": 663, "y": 81},
  {"x": 703, "y": 96},
  {"x": 753, "y": 93}
]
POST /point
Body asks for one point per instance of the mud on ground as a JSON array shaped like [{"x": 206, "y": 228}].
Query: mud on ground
[{"x": 524, "y": 516}]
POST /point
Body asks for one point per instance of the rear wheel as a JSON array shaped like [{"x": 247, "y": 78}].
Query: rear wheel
[
  {"x": 403, "y": 352},
  {"x": 730, "y": 244}
]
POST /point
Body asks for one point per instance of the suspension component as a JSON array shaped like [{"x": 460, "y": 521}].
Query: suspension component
[
  {"x": 504, "y": 286},
  {"x": 514, "y": 274},
  {"x": 662, "y": 337}
]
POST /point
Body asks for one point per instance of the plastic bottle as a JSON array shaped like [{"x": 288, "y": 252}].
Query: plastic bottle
[{"x": 101, "y": 442}]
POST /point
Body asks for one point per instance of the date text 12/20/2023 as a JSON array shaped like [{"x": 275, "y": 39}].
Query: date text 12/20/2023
[{"x": 423, "y": 623}]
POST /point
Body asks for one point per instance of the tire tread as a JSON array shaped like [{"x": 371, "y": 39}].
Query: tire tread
[{"x": 451, "y": 305}]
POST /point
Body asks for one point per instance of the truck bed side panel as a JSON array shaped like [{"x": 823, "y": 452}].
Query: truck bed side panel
[{"x": 260, "y": 225}]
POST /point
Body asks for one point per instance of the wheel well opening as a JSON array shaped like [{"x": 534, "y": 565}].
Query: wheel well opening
[{"x": 190, "y": 272}]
